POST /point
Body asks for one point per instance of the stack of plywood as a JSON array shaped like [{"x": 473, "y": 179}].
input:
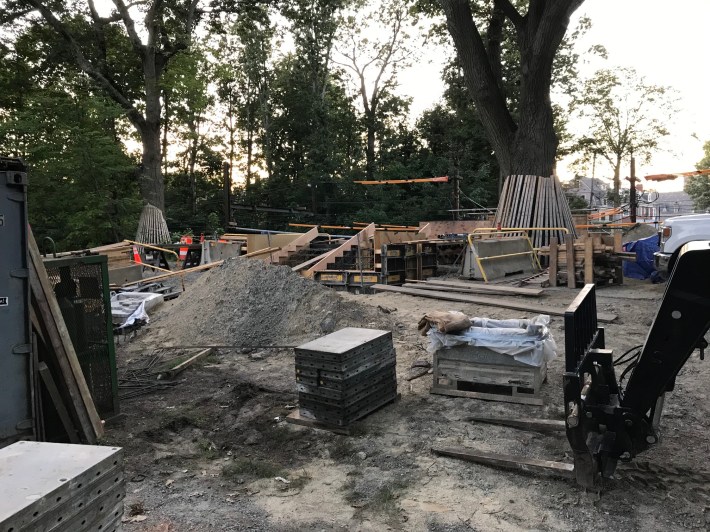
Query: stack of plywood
[{"x": 345, "y": 375}]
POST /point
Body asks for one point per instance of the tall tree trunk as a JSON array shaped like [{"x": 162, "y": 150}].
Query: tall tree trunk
[
  {"x": 534, "y": 144},
  {"x": 166, "y": 124},
  {"x": 151, "y": 178},
  {"x": 528, "y": 146},
  {"x": 250, "y": 150},
  {"x": 191, "y": 169},
  {"x": 617, "y": 183},
  {"x": 370, "y": 151}
]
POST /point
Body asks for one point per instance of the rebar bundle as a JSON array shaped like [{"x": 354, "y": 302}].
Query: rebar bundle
[
  {"x": 152, "y": 228},
  {"x": 535, "y": 201}
]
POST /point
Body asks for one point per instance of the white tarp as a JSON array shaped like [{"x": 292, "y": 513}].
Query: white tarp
[
  {"x": 528, "y": 341},
  {"x": 130, "y": 307}
]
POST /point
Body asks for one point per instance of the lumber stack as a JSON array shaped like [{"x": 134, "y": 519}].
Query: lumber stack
[
  {"x": 594, "y": 259},
  {"x": 534, "y": 201}
]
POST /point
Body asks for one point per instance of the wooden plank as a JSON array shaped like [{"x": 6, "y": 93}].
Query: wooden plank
[
  {"x": 56, "y": 398},
  {"x": 460, "y": 290},
  {"x": 259, "y": 252},
  {"x": 174, "y": 371},
  {"x": 60, "y": 344},
  {"x": 303, "y": 265},
  {"x": 178, "y": 272},
  {"x": 486, "y": 287},
  {"x": 478, "y": 300},
  {"x": 296, "y": 418},
  {"x": 517, "y": 399},
  {"x": 553, "y": 261},
  {"x": 569, "y": 243},
  {"x": 589, "y": 260},
  {"x": 505, "y": 461},
  {"x": 618, "y": 246},
  {"x": 535, "y": 424}
]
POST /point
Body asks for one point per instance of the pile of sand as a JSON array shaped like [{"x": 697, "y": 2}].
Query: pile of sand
[
  {"x": 249, "y": 302},
  {"x": 639, "y": 231}
]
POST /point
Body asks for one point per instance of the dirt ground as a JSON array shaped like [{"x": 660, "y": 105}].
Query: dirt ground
[{"x": 213, "y": 451}]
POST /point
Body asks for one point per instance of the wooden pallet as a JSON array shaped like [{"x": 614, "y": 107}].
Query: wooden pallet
[
  {"x": 479, "y": 373},
  {"x": 297, "y": 418}
]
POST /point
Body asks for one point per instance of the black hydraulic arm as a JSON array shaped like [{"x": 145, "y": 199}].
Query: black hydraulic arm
[{"x": 679, "y": 328}]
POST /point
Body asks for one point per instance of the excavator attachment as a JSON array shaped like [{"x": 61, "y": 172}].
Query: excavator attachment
[{"x": 606, "y": 422}]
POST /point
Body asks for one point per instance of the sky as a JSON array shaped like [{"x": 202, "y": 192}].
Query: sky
[{"x": 668, "y": 45}]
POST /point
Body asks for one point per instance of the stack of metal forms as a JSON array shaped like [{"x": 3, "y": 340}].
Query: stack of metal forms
[
  {"x": 61, "y": 487},
  {"x": 345, "y": 375}
]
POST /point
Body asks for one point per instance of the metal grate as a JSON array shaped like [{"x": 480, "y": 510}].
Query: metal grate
[{"x": 81, "y": 287}]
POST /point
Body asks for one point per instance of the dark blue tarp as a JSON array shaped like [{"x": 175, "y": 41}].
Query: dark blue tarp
[{"x": 643, "y": 267}]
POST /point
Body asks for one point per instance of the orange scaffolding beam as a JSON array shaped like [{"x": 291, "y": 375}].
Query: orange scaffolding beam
[
  {"x": 668, "y": 177},
  {"x": 442, "y": 179}
]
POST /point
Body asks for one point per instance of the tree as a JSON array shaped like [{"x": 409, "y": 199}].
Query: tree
[
  {"x": 168, "y": 28},
  {"x": 386, "y": 55},
  {"x": 624, "y": 116},
  {"x": 698, "y": 187},
  {"x": 185, "y": 86},
  {"x": 524, "y": 141}
]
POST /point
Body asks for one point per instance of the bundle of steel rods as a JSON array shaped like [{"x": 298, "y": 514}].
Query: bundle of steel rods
[
  {"x": 143, "y": 378},
  {"x": 152, "y": 228},
  {"x": 535, "y": 201}
]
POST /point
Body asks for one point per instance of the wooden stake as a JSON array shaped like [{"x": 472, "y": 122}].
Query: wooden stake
[
  {"x": 56, "y": 398},
  {"x": 508, "y": 461},
  {"x": 589, "y": 260},
  {"x": 569, "y": 243},
  {"x": 173, "y": 372},
  {"x": 553, "y": 261}
]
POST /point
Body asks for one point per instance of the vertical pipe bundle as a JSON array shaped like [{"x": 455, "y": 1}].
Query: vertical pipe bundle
[
  {"x": 152, "y": 228},
  {"x": 535, "y": 201}
]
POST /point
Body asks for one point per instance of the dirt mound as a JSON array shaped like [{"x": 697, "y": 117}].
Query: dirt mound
[
  {"x": 639, "y": 231},
  {"x": 249, "y": 302}
]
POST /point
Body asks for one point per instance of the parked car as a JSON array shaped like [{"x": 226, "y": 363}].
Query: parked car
[{"x": 674, "y": 234}]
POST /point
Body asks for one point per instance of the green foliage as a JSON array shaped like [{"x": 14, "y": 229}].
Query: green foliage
[
  {"x": 698, "y": 187},
  {"x": 625, "y": 116},
  {"x": 83, "y": 188},
  {"x": 289, "y": 123}
]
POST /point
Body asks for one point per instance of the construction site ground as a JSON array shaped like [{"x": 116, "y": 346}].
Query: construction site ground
[{"x": 214, "y": 453}]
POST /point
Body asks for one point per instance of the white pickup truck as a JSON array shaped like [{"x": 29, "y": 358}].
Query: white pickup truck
[{"x": 674, "y": 234}]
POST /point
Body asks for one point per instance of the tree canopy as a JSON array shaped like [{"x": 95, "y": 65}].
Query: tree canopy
[
  {"x": 158, "y": 101},
  {"x": 698, "y": 187}
]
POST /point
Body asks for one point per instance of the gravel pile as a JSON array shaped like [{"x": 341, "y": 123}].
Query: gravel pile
[{"x": 250, "y": 302}]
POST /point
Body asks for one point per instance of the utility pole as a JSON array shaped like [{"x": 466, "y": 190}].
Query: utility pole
[
  {"x": 632, "y": 190},
  {"x": 591, "y": 187},
  {"x": 457, "y": 195}
]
